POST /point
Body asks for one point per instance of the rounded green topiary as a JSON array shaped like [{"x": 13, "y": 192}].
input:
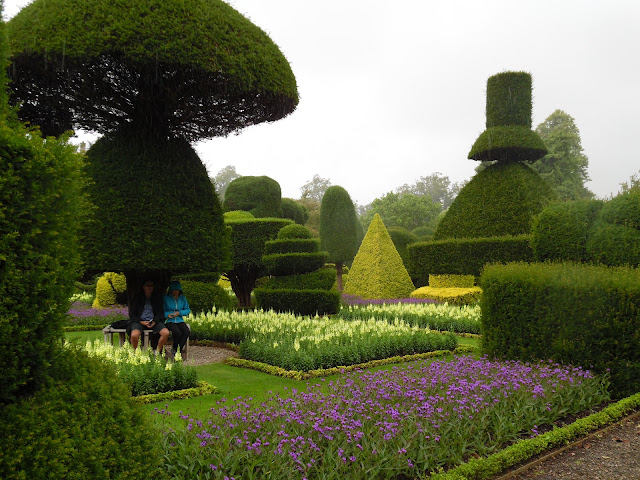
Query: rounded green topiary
[
  {"x": 508, "y": 137},
  {"x": 561, "y": 230},
  {"x": 377, "y": 270},
  {"x": 295, "y": 211},
  {"x": 194, "y": 68},
  {"x": 237, "y": 215},
  {"x": 145, "y": 220},
  {"x": 83, "y": 424},
  {"x": 258, "y": 195},
  {"x": 500, "y": 200},
  {"x": 294, "y": 231},
  {"x": 110, "y": 289}
]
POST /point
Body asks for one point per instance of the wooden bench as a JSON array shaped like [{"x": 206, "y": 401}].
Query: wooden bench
[{"x": 109, "y": 332}]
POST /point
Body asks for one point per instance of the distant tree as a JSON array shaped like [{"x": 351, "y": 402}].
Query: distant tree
[
  {"x": 339, "y": 231},
  {"x": 294, "y": 211},
  {"x": 436, "y": 186},
  {"x": 565, "y": 165},
  {"x": 632, "y": 184},
  {"x": 315, "y": 188},
  {"x": 313, "y": 208},
  {"x": 405, "y": 210},
  {"x": 222, "y": 180},
  {"x": 259, "y": 195}
]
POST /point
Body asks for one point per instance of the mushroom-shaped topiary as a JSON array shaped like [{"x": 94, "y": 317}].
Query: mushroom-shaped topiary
[
  {"x": 508, "y": 137},
  {"x": 259, "y": 195},
  {"x": 152, "y": 76}
]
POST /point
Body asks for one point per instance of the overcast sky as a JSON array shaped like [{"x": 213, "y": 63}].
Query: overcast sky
[{"x": 392, "y": 91}]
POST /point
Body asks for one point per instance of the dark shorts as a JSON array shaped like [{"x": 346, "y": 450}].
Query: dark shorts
[{"x": 138, "y": 326}]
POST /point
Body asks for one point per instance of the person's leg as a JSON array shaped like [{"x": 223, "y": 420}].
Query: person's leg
[
  {"x": 134, "y": 335},
  {"x": 185, "y": 332},
  {"x": 176, "y": 336},
  {"x": 164, "y": 336}
]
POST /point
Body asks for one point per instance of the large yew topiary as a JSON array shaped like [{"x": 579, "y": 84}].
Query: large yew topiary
[
  {"x": 261, "y": 196},
  {"x": 377, "y": 270},
  {"x": 153, "y": 77}
]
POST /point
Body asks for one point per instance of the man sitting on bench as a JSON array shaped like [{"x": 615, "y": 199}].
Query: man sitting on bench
[{"x": 147, "y": 312}]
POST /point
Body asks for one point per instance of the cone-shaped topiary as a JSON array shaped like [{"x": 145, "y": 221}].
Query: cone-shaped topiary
[
  {"x": 500, "y": 200},
  {"x": 508, "y": 137},
  {"x": 377, "y": 270}
]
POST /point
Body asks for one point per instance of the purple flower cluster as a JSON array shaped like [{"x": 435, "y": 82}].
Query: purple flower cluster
[
  {"x": 82, "y": 313},
  {"x": 403, "y": 421},
  {"x": 352, "y": 300}
]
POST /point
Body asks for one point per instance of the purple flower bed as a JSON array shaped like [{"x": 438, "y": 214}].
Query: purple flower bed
[
  {"x": 81, "y": 313},
  {"x": 352, "y": 300},
  {"x": 397, "y": 423}
]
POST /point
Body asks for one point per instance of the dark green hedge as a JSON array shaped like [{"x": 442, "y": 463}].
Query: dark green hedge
[
  {"x": 322, "y": 279},
  {"x": 301, "y": 302},
  {"x": 464, "y": 256},
  {"x": 248, "y": 238},
  {"x": 339, "y": 229},
  {"x": 293, "y": 263},
  {"x": 401, "y": 238},
  {"x": 204, "y": 296},
  {"x": 41, "y": 205},
  {"x": 294, "y": 245},
  {"x": 206, "y": 277},
  {"x": 500, "y": 200},
  {"x": 574, "y": 314},
  {"x": 294, "y": 211},
  {"x": 561, "y": 230},
  {"x": 508, "y": 143},
  {"x": 260, "y": 196},
  {"x": 509, "y": 99},
  {"x": 82, "y": 425},
  {"x": 156, "y": 208}
]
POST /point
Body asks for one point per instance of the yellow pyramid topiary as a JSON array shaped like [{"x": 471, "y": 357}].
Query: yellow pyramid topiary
[{"x": 377, "y": 271}]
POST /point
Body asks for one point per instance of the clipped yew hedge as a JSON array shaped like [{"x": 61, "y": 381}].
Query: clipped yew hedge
[
  {"x": 298, "y": 301},
  {"x": 574, "y": 314}
]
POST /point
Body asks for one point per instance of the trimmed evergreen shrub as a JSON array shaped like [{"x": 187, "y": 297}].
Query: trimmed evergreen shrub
[
  {"x": 206, "y": 277},
  {"x": 378, "y": 271},
  {"x": 500, "y": 200},
  {"x": 451, "y": 295},
  {"x": 561, "y": 230},
  {"x": 294, "y": 245},
  {"x": 41, "y": 205},
  {"x": 259, "y": 196},
  {"x": 110, "y": 289},
  {"x": 448, "y": 281},
  {"x": 401, "y": 238},
  {"x": 237, "y": 215},
  {"x": 294, "y": 263},
  {"x": 82, "y": 425},
  {"x": 323, "y": 279},
  {"x": 294, "y": 231},
  {"x": 294, "y": 211},
  {"x": 508, "y": 137},
  {"x": 204, "y": 296},
  {"x": 614, "y": 238},
  {"x": 465, "y": 256},
  {"x": 299, "y": 301},
  {"x": 574, "y": 314},
  {"x": 422, "y": 232}
]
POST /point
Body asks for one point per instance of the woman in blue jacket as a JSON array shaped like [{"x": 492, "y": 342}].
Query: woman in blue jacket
[{"x": 176, "y": 307}]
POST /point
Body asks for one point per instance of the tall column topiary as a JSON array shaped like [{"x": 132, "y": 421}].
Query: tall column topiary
[
  {"x": 338, "y": 228},
  {"x": 152, "y": 77}
]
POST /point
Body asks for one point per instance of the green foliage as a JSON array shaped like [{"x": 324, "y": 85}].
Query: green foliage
[
  {"x": 565, "y": 165},
  {"x": 294, "y": 231},
  {"x": 171, "y": 63},
  {"x": 109, "y": 289},
  {"x": 237, "y": 215},
  {"x": 294, "y": 211},
  {"x": 294, "y": 245},
  {"x": 313, "y": 207},
  {"x": 447, "y": 281},
  {"x": 338, "y": 225},
  {"x": 377, "y": 270},
  {"x": 500, "y": 200},
  {"x": 423, "y": 233},
  {"x": 294, "y": 263},
  {"x": 322, "y": 279},
  {"x": 258, "y": 195},
  {"x": 561, "y": 230},
  {"x": 574, "y": 314},
  {"x": 315, "y": 188},
  {"x": 148, "y": 191},
  {"x": 465, "y": 256},
  {"x": 401, "y": 238},
  {"x": 82, "y": 425},
  {"x": 203, "y": 388},
  {"x": 405, "y": 210},
  {"x": 299, "y": 301},
  {"x": 41, "y": 205},
  {"x": 436, "y": 186},
  {"x": 450, "y": 295},
  {"x": 222, "y": 180},
  {"x": 205, "y": 296},
  {"x": 508, "y": 137},
  {"x": 615, "y": 235}
]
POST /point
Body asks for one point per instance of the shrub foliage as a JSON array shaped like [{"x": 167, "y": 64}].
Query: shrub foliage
[{"x": 259, "y": 196}]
